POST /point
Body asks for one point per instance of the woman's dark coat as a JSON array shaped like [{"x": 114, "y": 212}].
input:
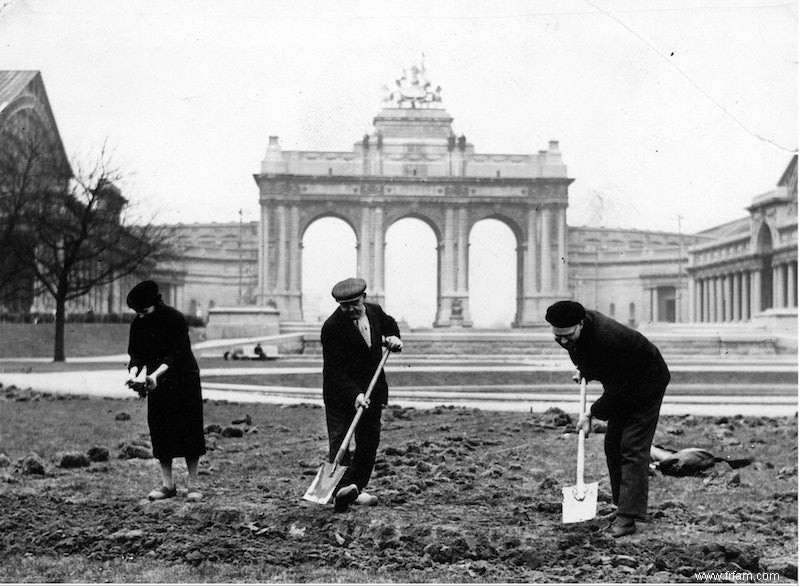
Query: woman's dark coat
[{"x": 175, "y": 406}]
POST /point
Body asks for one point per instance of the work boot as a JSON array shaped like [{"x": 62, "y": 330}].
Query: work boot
[
  {"x": 364, "y": 498},
  {"x": 345, "y": 497},
  {"x": 623, "y": 526},
  {"x": 603, "y": 522}
]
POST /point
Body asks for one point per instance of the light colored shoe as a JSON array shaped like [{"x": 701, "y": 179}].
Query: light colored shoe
[
  {"x": 366, "y": 499},
  {"x": 194, "y": 496},
  {"x": 162, "y": 493}
]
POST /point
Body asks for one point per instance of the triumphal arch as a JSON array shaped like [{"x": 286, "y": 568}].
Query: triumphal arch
[{"x": 413, "y": 165}]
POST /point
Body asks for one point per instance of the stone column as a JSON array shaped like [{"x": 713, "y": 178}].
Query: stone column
[
  {"x": 462, "y": 280},
  {"x": 697, "y": 300},
  {"x": 720, "y": 299},
  {"x": 263, "y": 255},
  {"x": 446, "y": 277},
  {"x": 755, "y": 292},
  {"x": 280, "y": 281},
  {"x": 775, "y": 287},
  {"x": 745, "y": 295},
  {"x": 653, "y": 304},
  {"x": 562, "y": 251},
  {"x": 294, "y": 300},
  {"x": 528, "y": 311},
  {"x": 727, "y": 298},
  {"x": 782, "y": 286},
  {"x": 379, "y": 255},
  {"x": 737, "y": 298},
  {"x": 363, "y": 246},
  {"x": 294, "y": 249},
  {"x": 545, "y": 276},
  {"x": 712, "y": 299},
  {"x": 791, "y": 282}
]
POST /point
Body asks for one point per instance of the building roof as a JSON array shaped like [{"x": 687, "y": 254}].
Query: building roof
[
  {"x": 15, "y": 83},
  {"x": 12, "y": 83}
]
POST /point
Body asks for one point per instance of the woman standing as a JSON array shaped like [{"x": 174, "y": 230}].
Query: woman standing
[{"x": 159, "y": 348}]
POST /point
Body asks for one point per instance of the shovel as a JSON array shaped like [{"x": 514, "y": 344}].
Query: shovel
[
  {"x": 580, "y": 501},
  {"x": 330, "y": 474}
]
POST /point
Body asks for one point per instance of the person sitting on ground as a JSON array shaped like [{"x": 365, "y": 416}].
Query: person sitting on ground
[
  {"x": 160, "y": 350},
  {"x": 351, "y": 351},
  {"x": 634, "y": 378},
  {"x": 259, "y": 352}
]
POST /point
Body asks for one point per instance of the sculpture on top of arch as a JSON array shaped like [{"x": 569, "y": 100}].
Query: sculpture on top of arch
[{"x": 413, "y": 88}]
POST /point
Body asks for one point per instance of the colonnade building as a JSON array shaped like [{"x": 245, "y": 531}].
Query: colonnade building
[{"x": 747, "y": 270}]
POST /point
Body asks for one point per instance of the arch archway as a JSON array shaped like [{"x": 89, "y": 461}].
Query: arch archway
[
  {"x": 328, "y": 256},
  {"x": 411, "y": 272},
  {"x": 764, "y": 251},
  {"x": 493, "y": 262}
]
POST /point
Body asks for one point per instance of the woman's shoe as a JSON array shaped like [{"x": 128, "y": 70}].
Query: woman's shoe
[
  {"x": 194, "y": 496},
  {"x": 162, "y": 493}
]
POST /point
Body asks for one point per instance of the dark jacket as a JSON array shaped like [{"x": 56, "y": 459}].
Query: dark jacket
[
  {"x": 630, "y": 367},
  {"x": 162, "y": 337},
  {"x": 348, "y": 364},
  {"x": 175, "y": 406}
]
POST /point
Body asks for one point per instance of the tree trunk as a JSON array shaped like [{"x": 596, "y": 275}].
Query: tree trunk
[{"x": 60, "y": 318}]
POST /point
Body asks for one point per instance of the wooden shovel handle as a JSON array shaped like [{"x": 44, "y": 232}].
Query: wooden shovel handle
[
  {"x": 581, "y": 435},
  {"x": 360, "y": 410}
]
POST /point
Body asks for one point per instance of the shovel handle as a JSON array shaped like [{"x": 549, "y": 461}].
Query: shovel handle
[
  {"x": 360, "y": 411},
  {"x": 581, "y": 436}
]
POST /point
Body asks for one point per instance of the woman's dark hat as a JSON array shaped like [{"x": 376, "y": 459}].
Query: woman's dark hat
[
  {"x": 565, "y": 314},
  {"x": 143, "y": 295},
  {"x": 349, "y": 290}
]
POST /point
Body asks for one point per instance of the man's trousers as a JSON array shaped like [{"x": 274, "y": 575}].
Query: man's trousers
[
  {"x": 367, "y": 436},
  {"x": 627, "y": 446}
]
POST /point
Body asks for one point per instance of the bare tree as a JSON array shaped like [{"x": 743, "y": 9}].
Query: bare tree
[
  {"x": 29, "y": 166},
  {"x": 78, "y": 236}
]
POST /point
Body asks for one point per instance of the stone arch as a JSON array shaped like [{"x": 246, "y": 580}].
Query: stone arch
[
  {"x": 328, "y": 255},
  {"x": 493, "y": 278},
  {"x": 290, "y": 205},
  {"x": 412, "y": 289},
  {"x": 764, "y": 245}
]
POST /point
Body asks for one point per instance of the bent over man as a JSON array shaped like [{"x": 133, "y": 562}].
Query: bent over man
[
  {"x": 634, "y": 377},
  {"x": 351, "y": 349}
]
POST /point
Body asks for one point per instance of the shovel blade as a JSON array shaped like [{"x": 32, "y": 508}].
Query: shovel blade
[
  {"x": 324, "y": 483},
  {"x": 580, "y": 503}
]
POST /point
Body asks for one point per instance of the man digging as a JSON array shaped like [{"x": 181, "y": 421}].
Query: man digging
[
  {"x": 634, "y": 377},
  {"x": 351, "y": 350}
]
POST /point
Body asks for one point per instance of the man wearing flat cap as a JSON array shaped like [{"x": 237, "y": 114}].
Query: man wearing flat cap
[
  {"x": 634, "y": 377},
  {"x": 352, "y": 338}
]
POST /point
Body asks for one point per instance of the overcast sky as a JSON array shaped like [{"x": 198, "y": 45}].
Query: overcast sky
[{"x": 660, "y": 108}]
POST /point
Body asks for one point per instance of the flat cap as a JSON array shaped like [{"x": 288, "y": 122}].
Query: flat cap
[
  {"x": 565, "y": 314},
  {"x": 349, "y": 289},
  {"x": 143, "y": 295}
]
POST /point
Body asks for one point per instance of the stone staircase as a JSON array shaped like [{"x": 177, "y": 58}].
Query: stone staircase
[{"x": 706, "y": 340}]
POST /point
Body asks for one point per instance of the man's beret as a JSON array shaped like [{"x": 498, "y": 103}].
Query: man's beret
[
  {"x": 349, "y": 289},
  {"x": 143, "y": 295},
  {"x": 565, "y": 314}
]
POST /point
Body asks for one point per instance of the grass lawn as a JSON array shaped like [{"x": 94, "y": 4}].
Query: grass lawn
[{"x": 465, "y": 496}]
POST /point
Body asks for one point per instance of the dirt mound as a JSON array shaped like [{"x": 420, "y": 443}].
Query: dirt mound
[{"x": 464, "y": 495}]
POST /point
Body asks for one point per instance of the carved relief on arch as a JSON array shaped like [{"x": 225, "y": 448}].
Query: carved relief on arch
[{"x": 275, "y": 187}]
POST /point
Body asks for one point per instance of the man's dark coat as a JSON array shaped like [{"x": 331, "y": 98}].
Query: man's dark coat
[
  {"x": 348, "y": 364},
  {"x": 630, "y": 367}
]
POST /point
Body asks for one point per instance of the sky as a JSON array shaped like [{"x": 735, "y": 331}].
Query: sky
[{"x": 662, "y": 110}]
